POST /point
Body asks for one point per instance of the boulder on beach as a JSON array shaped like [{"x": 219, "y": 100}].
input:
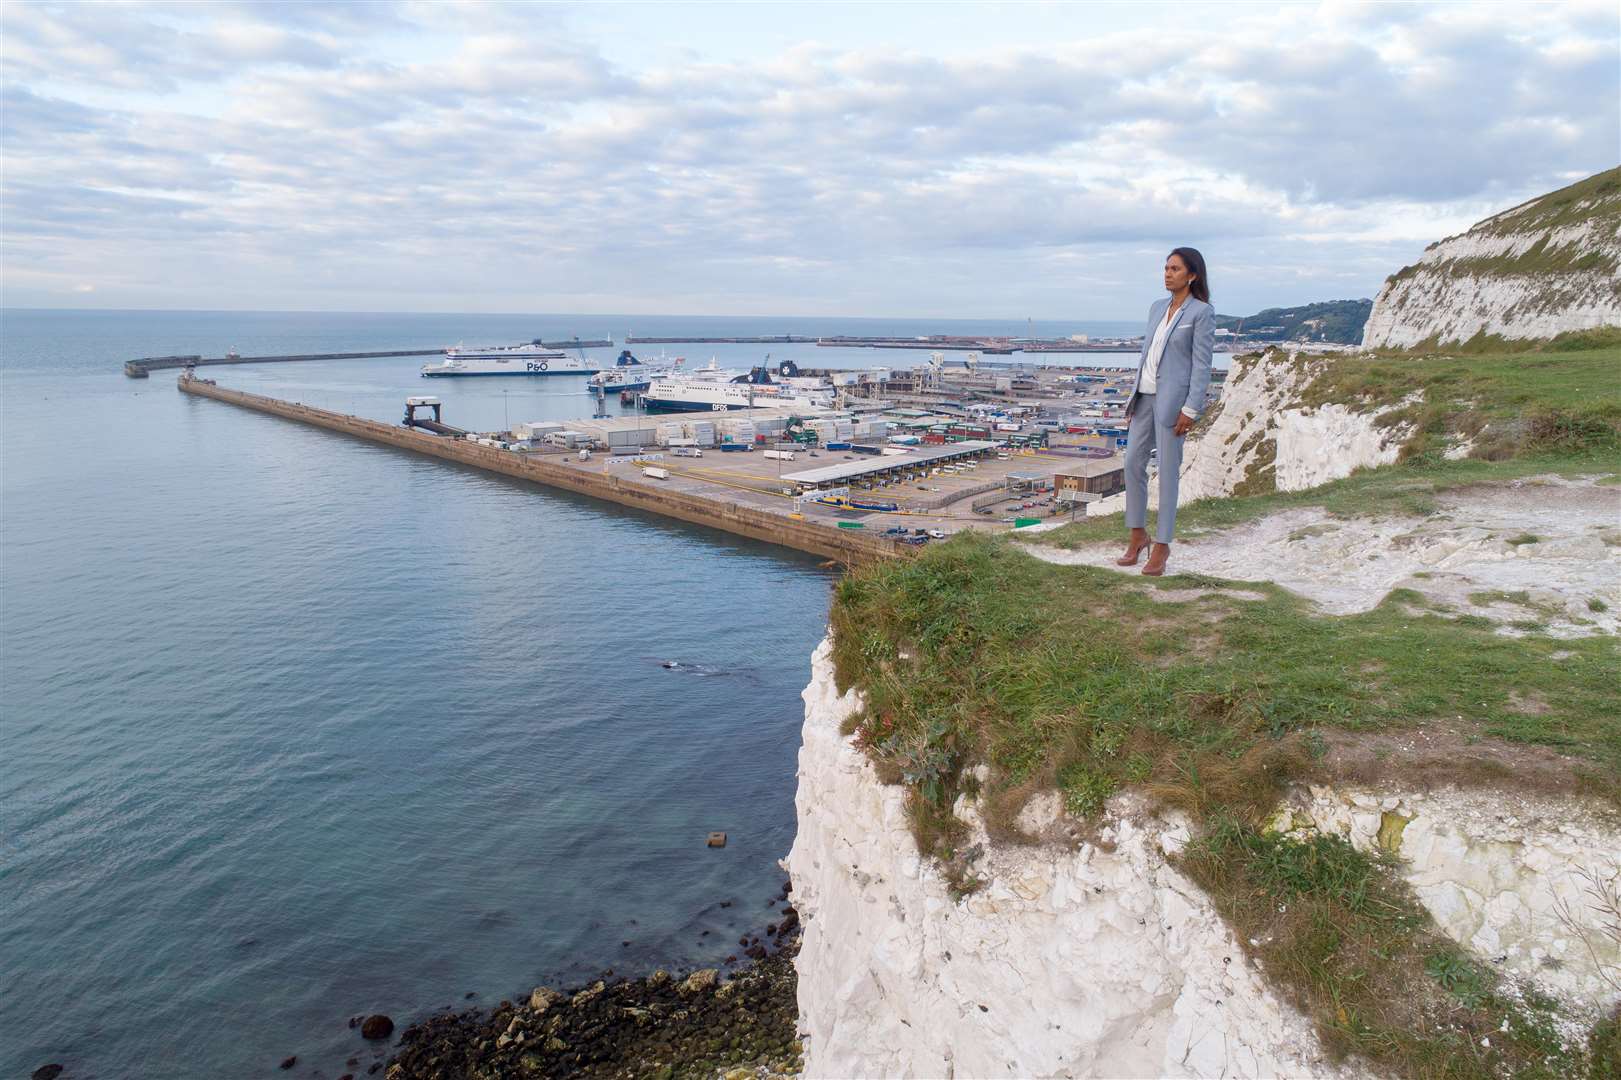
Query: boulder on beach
[
  {"x": 699, "y": 981},
  {"x": 376, "y": 1026}
]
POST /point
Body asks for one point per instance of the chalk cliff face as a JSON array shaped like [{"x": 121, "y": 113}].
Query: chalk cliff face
[
  {"x": 1540, "y": 269},
  {"x": 1075, "y": 960},
  {"x": 1260, "y": 439}
]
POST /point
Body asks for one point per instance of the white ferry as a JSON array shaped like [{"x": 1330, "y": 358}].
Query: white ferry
[
  {"x": 532, "y": 358},
  {"x": 629, "y": 373},
  {"x": 702, "y": 391}
]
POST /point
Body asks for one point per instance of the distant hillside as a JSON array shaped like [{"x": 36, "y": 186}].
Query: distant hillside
[
  {"x": 1540, "y": 269},
  {"x": 1337, "y": 320}
]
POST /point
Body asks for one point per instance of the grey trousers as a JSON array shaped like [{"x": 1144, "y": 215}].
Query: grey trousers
[{"x": 1144, "y": 434}]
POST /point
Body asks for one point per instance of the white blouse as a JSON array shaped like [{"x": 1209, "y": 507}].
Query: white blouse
[{"x": 1156, "y": 349}]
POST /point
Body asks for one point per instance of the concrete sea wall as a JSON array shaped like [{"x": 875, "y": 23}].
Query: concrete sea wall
[{"x": 846, "y": 545}]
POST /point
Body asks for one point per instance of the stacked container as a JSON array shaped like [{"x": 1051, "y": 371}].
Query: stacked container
[{"x": 701, "y": 432}]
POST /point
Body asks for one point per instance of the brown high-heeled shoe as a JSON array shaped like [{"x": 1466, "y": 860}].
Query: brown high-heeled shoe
[
  {"x": 1157, "y": 558},
  {"x": 1134, "y": 548}
]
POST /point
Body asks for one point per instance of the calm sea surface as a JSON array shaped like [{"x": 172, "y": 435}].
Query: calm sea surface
[{"x": 295, "y": 727}]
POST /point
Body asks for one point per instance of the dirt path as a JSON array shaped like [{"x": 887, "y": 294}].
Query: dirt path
[{"x": 1543, "y": 552}]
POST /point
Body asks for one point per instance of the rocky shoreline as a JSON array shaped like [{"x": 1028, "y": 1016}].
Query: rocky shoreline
[{"x": 706, "y": 1023}]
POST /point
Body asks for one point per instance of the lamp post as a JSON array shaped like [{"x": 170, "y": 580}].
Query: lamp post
[{"x": 506, "y": 420}]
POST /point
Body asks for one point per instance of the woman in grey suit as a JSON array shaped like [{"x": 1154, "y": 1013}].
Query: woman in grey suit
[{"x": 1172, "y": 376}]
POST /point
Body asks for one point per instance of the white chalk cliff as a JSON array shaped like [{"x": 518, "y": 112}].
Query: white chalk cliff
[
  {"x": 1074, "y": 960},
  {"x": 1535, "y": 271},
  {"x": 1260, "y": 437}
]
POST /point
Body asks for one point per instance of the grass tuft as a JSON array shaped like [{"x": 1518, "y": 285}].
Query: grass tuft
[{"x": 1348, "y": 944}]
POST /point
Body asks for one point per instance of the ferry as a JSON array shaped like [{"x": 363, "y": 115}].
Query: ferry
[
  {"x": 710, "y": 390},
  {"x": 531, "y": 358},
  {"x": 629, "y": 373}
]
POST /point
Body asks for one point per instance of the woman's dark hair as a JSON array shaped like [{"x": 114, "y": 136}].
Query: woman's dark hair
[{"x": 1195, "y": 263}]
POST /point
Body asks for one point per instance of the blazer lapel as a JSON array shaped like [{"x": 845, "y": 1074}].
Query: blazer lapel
[{"x": 1179, "y": 313}]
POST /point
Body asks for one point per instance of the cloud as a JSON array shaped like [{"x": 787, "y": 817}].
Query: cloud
[{"x": 488, "y": 156}]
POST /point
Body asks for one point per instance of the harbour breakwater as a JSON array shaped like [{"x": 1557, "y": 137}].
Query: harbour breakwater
[
  {"x": 844, "y": 545},
  {"x": 143, "y": 367}
]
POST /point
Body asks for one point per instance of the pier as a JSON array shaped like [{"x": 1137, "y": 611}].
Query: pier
[
  {"x": 771, "y": 339},
  {"x": 567, "y": 473},
  {"x": 143, "y": 367}
]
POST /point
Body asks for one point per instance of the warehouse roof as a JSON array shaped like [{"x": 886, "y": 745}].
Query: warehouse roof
[{"x": 914, "y": 456}]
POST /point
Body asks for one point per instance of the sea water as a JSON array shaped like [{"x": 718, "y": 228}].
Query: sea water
[{"x": 294, "y": 727}]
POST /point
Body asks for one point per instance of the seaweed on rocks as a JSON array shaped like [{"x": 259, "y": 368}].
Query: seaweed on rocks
[{"x": 702, "y": 1025}]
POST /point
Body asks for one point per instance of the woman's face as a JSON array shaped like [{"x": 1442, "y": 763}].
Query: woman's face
[{"x": 1177, "y": 275}]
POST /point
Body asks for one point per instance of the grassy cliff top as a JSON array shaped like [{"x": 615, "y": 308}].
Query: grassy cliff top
[
  {"x": 1598, "y": 196},
  {"x": 1595, "y": 200},
  {"x": 1212, "y": 697}
]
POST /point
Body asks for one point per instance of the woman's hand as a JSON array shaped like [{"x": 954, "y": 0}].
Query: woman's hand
[{"x": 1184, "y": 424}]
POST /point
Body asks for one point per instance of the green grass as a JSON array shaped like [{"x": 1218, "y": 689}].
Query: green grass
[
  {"x": 1085, "y": 681},
  {"x": 1073, "y": 677},
  {"x": 1511, "y": 401}
]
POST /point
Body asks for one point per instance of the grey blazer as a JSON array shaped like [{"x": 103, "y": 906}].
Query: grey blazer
[{"x": 1184, "y": 366}]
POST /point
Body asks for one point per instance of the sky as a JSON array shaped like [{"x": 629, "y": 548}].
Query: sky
[{"x": 993, "y": 160}]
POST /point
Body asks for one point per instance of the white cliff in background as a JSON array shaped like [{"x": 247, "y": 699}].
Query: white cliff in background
[
  {"x": 1084, "y": 961},
  {"x": 1535, "y": 271}
]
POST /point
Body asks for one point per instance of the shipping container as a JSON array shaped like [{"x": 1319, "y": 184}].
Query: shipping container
[
  {"x": 863, "y": 448},
  {"x": 838, "y": 446},
  {"x": 656, "y": 473},
  {"x": 736, "y": 448},
  {"x": 779, "y": 455},
  {"x": 685, "y": 451}
]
